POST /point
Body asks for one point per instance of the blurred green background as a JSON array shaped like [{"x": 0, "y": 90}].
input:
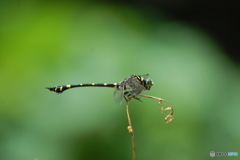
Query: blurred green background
[{"x": 46, "y": 43}]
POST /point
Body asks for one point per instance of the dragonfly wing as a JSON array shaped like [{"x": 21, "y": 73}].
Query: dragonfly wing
[
  {"x": 144, "y": 75},
  {"x": 129, "y": 88},
  {"x": 118, "y": 96},
  {"x": 133, "y": 87}
]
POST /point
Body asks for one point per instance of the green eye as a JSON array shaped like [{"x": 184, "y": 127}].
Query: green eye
[{"x": 148, "y": 83}]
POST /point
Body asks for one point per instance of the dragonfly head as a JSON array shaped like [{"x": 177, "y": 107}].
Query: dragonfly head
[{"x": 148, "y": 83}]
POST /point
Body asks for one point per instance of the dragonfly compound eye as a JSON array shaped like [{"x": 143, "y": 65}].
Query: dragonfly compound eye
[{"x": 148, "y": 83}]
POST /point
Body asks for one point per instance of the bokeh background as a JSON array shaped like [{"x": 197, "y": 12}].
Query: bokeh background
[{"x": 189, "y": 49}]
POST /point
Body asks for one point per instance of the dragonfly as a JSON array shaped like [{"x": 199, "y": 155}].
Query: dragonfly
[{"x": 127, "y": 89}]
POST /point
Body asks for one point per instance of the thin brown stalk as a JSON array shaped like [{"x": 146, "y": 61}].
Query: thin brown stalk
[{"x": 130, "y": 130}]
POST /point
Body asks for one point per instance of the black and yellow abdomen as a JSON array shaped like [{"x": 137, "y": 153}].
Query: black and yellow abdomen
[{"x": 60, "y": 89}]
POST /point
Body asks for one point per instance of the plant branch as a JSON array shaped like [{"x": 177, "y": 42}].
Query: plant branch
[{"x": 130, "y": 130}]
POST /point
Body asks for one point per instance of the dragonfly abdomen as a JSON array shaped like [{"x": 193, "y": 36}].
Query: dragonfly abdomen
[{"x": 60, "y": 89}]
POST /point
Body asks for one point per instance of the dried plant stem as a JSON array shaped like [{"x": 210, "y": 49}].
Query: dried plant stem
[
  {"x": 130, "y": 130},
  {"x": 169, "y": 117}
]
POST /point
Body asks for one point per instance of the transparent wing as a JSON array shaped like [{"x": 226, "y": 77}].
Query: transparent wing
[
  {"x": 145, "y": 76},
  {"x": 133, "y": 86},
  {"x": 129, "y": 88},
  {"x": 118, "y": 96}
]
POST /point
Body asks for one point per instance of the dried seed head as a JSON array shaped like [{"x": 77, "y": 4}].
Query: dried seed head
[{"x": 169, "y": 118}]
